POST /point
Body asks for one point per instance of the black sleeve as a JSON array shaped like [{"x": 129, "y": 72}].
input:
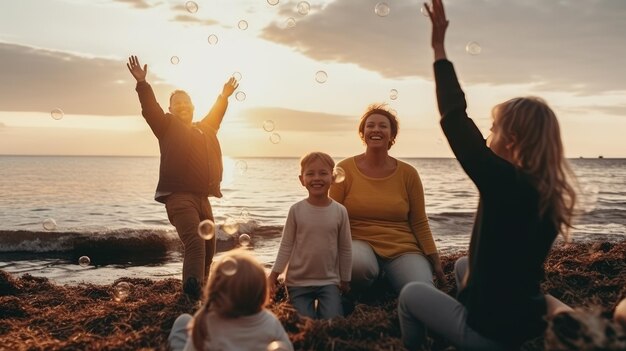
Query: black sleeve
[{"x": 484, "y": 167}]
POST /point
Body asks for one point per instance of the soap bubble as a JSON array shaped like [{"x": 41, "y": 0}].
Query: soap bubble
[
  {"x": 339, "y": 175},
  {"x": 237, "y": 76},
  {"x": 121, "y": 291},
  {"x": 228, "y": 266},
  {"x": 206, "y": 229},
  {"x": 191, "y": 6},
  {"x": 213, "y": 39},
  {"x": 277, "y": 346},
  {"x": 275, "y": 138},
  {"x": 230, "y": 226},
  {"x": 240, "y": 96},
  {"x": 244, "y": 240},
  {"x": 245, "y": 214},
  {"x": 382, "y": 9},
  {"x": 49, "y": 224},
  {"x": 268, "y": 125},
  {"x": 393, "y": 94},
  {"x": 57, "y": 113},
  {"x": 290, "y": 22},
  {"x": 243, "y": 25},
  {"x": 273, "y": 2},
  {"x": 84, "y": 261},
  {"x": 473, "y": 48},
  {"x": 303, "y": 8},
  {"x": 174, "y": 60},
  {"x": 321, "y": 77},
  {"x": 241, "y": 166}
]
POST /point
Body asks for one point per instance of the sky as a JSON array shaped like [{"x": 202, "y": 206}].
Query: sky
[{"x": 71, "y": 55}]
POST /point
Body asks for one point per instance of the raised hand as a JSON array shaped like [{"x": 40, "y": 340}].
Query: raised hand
[
  {"x": 437, "y": 15},
  {"x": 135, "y": 69},
  {"x": 229, "y": 87}
]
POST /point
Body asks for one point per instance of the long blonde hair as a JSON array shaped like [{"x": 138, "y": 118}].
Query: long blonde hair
[
  {"x": 237, "y": 287},
  {"x": 530, "y": 125}
]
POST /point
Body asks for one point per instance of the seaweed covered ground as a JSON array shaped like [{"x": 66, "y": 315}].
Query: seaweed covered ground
[{"x": 36, "y": 314}]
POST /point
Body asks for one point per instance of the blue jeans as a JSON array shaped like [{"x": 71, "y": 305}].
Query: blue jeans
[
  {"x": 328, "y": 301},
  {"x": 422, "y": 306},
  {"x": 367, "y": 266}
]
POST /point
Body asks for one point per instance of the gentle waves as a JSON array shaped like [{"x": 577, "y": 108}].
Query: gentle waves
[{"x": 103, "y": 207}]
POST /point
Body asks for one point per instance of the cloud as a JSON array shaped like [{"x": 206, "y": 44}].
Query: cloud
[
  {"x": 615, "y": 110},
  {"x": 294, "y": 120},
  {"x": 562, "y": 45},
  {"x": 40, "y": 80},
  {"x": 194, "y": 20},
  {"x": 140, "y": 4}
]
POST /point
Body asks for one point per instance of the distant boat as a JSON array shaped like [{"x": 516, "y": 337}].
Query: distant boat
[{"x": 600, "y": 156}]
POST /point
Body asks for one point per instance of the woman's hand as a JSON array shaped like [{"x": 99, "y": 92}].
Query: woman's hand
[
  {"x": 135, "y": 69},
  {"x": 437, "y": 16}
]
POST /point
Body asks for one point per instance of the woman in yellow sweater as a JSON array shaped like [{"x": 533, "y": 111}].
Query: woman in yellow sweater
[{"x": 385, "y": 202}]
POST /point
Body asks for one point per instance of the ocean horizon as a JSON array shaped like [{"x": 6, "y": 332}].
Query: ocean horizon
[{"x": 103, "y": 208}]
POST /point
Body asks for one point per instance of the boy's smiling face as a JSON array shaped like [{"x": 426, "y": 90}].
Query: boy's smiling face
[{"x": 317, "y": 176}]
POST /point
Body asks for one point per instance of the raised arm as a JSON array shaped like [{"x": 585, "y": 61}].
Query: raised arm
[
  {"x": 150, "y": 109},
  {"x": 213, "y": 119},
  {"x": 437, "y": 15}
]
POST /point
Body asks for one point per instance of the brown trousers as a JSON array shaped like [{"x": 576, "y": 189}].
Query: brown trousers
[{"x": 185, "y": 211}]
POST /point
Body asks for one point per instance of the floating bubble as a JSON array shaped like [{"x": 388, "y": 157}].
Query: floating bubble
[
  {"x": 268, "y": 125},
  {"x": 213, "y": 39},
  {"x": 84, "y": 261},
  {"x": 473, "y": 48},
  {"x": 237, "y": 76},
  {"x": 244, "y": 240},
  {"x": 240, "y": 96},
  {"x": 49, "y": 224},
  {"x": 275, "y": 138},
  {"x": 243, "y": 25},
  {"x": 241, "y": 166},
  {"x": 273, "y": 2},
  {"x": 339, "y": 175},
  {"x": 303, "y": 8},
  {"x": 244, "y": 214},
  {"x": 206, "y": 229},
  {"x": 228, "y": 266},
  {"x": 393, "y": 94},
  {"x": 382, "y": 9},
  {"x": 424, "y": 11},
  {"x": 174, "y": 60},
  {"x": 290, "y": 22},
  {"x": 277, "y": 346},
  {"x": 230, "y": 226},
  {"x": 321, "y": 77},
  {"x": 57, "y": 113},
  {"x": 121, "y": 291},
  {"x": 191, "y": 6}
]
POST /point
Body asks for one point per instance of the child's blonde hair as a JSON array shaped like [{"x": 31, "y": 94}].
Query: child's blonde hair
[
  {"x": 530, "y": 125},
  {"x": 316, "y": 155},
  {"x": 237, "y": 287}
]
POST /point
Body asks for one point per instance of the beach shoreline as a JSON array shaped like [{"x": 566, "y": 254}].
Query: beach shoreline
[{"x": 37, "y": 314}]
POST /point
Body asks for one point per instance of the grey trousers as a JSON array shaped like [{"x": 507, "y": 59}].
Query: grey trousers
[
  {"x": 179, "y": 335},
  {"x": 328, "y": 301},
  {"x": 422, "y": 306}
]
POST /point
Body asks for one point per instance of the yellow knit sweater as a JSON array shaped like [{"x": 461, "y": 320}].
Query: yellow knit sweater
[{"x": 388, "y": 213}]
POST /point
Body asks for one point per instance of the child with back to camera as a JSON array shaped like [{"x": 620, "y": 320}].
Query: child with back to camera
[
  {"x": 316, "y": 243},
  {"x": 233, "y": 316},
  {"x": 526, "y": 200}
]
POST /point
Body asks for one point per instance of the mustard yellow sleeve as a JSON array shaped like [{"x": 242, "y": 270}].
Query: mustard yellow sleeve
[
  {"x": 337, "y": 191},
  {"x": 417, "y": 214}
]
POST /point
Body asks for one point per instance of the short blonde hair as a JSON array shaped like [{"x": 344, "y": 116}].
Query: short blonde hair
[
  {"x": 316, "y": 155},
  {"x": 231, "y": 294}
]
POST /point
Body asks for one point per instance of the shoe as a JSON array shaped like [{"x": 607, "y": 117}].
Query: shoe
[{"x": 192, "y": 288}]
